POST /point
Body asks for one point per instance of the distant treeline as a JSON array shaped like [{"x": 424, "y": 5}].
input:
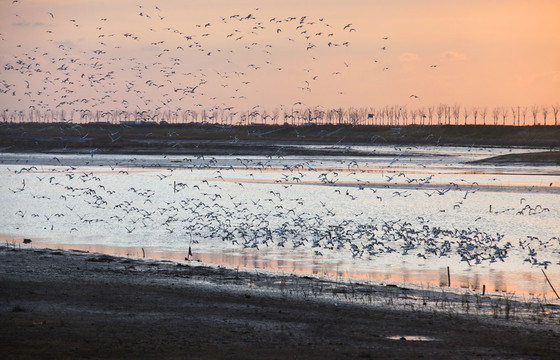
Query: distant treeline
[{"x": 301, "y": 116}]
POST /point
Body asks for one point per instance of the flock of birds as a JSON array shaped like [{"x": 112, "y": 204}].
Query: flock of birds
[
  {"x": 215, "y": 65},
  {"x": 259, "y": 203},
  {"x": 218, "y": 207}
]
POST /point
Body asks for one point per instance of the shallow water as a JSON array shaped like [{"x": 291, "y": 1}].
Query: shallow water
[
  {"x": 398, "y": 214},
  {"x": 412, "y": 338}
]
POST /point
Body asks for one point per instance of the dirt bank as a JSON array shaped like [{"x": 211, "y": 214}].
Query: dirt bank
[
  {"x": 69, "y": 304},
  {"x": 531, "y": 158},
  {"x": 258, "y": 139}
]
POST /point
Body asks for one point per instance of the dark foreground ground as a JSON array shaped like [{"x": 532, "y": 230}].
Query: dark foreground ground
[{"x": 68, "y": 304}]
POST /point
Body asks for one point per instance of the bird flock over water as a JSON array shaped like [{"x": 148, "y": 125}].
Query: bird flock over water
[
  {"x": 257, "y": 203},
  {"x": 216, "y": 64}
]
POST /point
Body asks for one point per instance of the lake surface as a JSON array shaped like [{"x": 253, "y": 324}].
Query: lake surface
[{"x": 396, "y": 214}]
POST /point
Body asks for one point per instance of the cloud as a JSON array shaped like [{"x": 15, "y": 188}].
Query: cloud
[
  {"x": 408, "y": 57},
  {"x": 542, "y": 76},
  {"x": 453, "y": 56}
]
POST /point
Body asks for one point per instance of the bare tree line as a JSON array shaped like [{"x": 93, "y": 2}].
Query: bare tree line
[{"x": 388, "y": 115}]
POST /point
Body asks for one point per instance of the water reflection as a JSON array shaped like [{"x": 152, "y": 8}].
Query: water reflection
[
  {"x": 412, "y": 338},
  {"x": 404, "y": 216},
  {"x": 518, "y": 282}
]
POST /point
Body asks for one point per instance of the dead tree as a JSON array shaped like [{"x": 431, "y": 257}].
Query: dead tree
[
  {"x": 466, "y": 114},
  {"x": 397, "y": 114},
  {"x": 414, "y": 115},
  {"x": 544, "y": 111},
  {"x": 439, "y": 112},
  {"x": 496, "y": 114},
  {"x": 484, "y": 113},
  {"x": 475, "y": 111},
  {"x": 456, "y": 113},
  {"x": 504, "y": 113},
  {"x": 430, "y": 115},
  {"x": 404, "y": 115},
  {"x": 534, "y": 112},
  {"x": 515, "y": 110},
  {"x": 524, "y": 113},
  {"x": 422, "y": 114},
  {"x": 555, "y": 109}
]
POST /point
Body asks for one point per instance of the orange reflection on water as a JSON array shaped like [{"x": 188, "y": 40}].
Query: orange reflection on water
[
  {"x": 520, "y": 282},
  {"x": 132, "y": 168}
]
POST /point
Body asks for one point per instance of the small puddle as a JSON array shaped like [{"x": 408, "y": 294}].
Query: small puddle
[{"x": 412, "y": 338}]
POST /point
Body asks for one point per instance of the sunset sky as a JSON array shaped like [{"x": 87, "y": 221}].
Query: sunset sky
[{"x": 145, "y": 55}]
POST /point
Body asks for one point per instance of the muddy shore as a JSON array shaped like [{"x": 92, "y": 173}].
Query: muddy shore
[
  {"x": 282, "y": 140},
  {"x": 71, "y": 304},
  {"x": 274, "y": 140}
]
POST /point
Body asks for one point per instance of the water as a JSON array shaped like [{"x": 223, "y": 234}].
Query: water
[{"x": 395, "y": 214}]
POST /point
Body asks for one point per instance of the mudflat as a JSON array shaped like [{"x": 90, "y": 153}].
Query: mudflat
[
  {"x": 213, "y": 139},
  {"x": 71, "y": 304}
]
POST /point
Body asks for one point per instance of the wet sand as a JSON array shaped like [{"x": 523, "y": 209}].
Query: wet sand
[
  {"x": 532, "y": 158},
  {"x": 70, "y": 304}
]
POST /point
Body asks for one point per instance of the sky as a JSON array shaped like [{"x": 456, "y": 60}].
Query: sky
[{"x": 239, "y": 55}]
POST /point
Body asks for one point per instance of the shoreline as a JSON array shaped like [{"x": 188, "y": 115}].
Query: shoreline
[
  {"x": 341, "y": 140},
  {"x": 283, "y": 140},
  {"x": 271, "y": 149},
  {"x": 128, "y": 308},
  {"x": 492, "y": 279}
]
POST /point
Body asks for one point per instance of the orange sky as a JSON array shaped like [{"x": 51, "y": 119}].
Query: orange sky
[{"x": 485, "y": 53}]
